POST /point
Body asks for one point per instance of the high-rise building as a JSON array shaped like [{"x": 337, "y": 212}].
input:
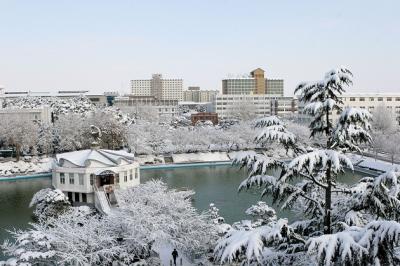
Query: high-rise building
[
  {"x": 256, "y": 83},
  {"x": 160, "y": 88},
  {"x": 194, "y": 94}
]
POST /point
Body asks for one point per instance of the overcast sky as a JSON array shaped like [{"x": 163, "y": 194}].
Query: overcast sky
[{"x": 101, "y": 45}]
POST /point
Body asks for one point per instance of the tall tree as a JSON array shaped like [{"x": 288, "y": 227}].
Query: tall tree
[{"x": 335, "y": 224}]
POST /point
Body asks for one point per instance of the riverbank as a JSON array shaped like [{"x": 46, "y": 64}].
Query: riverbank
[{"x": 42, "y": 168}]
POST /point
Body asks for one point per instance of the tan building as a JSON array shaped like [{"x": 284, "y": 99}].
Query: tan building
[
  {"x": 256, "y": 83},
  {"x": 195, "y": 94},
  {"x": 258, "y": 75},
  {"x": 160, "y": 88}
]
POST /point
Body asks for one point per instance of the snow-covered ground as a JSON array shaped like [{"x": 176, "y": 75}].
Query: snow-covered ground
[
  {"x": 200, "y": 157},
  {"x": 165, "y": 251},
  {"x": 36, "y": 165},
  {"x": 149, "y": 159},
  {"x": 370, "y": 163}
]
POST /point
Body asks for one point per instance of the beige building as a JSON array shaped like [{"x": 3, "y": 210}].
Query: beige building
[
  {"x": 195, "y": 94},
  {"x": 231, "y": 105},
  {"x": 160, "y": 88},
  {"x": 256, "y": 83}
]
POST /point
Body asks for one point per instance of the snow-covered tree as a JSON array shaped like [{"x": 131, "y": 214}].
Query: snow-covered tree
[
  {"x": 384, "y": 120},
  {"x": 148, "y": 216},
  {"x": 20, "y": 133},
  {"x": 335, "y": 224},
  {"x": 151, "y": 214},
  {"x": 49, "y": 203}
]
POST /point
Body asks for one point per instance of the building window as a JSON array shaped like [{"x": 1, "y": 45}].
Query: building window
[
  {"x": 80, "y": 179},
  {"x": 62, "y": 178},
  {"x": 380, "y": 99},
  {"x": 362, "y": 99},
  {"x": 76, "y": 196},
  {"x": 84, "y": 198},
  {"x": 352, "y": 99},
  {"x": 371, "y": 99},
  {"x": 125, "y": 176},
  {"x": 397, "y": 99},
  {"x": 91, "y": 179},
  {"x": 117, "y": 179},
  {"x": 131, "y": 174},
  {"x": 71, "y": 178},
  {"x": 389, "y": 99}
]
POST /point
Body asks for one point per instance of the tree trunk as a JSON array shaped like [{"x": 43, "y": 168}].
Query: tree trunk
[
  {"x": 328, "y": 190},
  {"x": 328, "y": 200},
  {"x": 17, "y": 151}
]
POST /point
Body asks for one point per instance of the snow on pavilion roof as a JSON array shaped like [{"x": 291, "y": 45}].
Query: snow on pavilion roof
[{"x": 106, "y": 157}]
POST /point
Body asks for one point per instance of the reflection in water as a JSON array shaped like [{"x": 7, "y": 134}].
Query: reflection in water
[{"x": 15, "y": 197}]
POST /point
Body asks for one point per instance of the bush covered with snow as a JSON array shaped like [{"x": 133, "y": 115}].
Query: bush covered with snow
[{"x": 148, "y": 215}]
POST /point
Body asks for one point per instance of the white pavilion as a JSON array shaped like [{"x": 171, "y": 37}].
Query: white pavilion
[{"x": 91, "y": 176}]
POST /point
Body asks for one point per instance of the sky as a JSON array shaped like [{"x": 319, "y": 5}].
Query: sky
[{"x": 102, "y": 45}]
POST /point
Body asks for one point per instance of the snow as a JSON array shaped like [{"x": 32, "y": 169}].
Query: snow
[
  {"x": 165, "y": 250},
  {"x": 200, "y": 157},
  {"x": 107, "y": 157},
  {"x": 12, "y": 168},
  {"x": 371, "y": 163}
]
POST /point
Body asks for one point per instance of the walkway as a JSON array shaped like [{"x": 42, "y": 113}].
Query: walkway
[{"x": 165, "y": 251}]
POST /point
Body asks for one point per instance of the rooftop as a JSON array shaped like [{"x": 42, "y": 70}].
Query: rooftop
[{"x": 107, "y": 157}]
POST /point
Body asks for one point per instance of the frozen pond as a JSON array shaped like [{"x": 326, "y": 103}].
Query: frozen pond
[{"x": 217, "y": 184}]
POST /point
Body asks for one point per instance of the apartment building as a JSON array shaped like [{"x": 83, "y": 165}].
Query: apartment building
[
  {"x": 228, "y": 105},
  {"x": 195, "y": 94},
  {"x": 256, "y": 83},
  {"x": 160, "y": 88}
]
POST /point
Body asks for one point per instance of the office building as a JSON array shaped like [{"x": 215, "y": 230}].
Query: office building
[
  {"x": 368, "y": 101},
  {"x": 195, "y": 94},
  {"x": 148, "y": 107},
  {"x": 256, "y": 83},
  {"x": 228, "y": 105},
  {"x": 160, "y": 88}
]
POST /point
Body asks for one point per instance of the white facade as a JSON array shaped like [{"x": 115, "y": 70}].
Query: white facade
[
  {"x": 368, "y": 101},
  {"x": 148, "y": 107},
  {"x": 38, "y": 114},
  {"x": 260, "y": 104},
  {"x": 162, "y": 89},
  {"x": 88, "y": 175}
]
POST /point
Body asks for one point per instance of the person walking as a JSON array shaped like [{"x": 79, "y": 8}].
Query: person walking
[{"x": 174, "y": 255}]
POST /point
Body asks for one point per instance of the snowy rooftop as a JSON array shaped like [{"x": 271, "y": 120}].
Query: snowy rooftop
[{"x": 106, "y": 157}]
